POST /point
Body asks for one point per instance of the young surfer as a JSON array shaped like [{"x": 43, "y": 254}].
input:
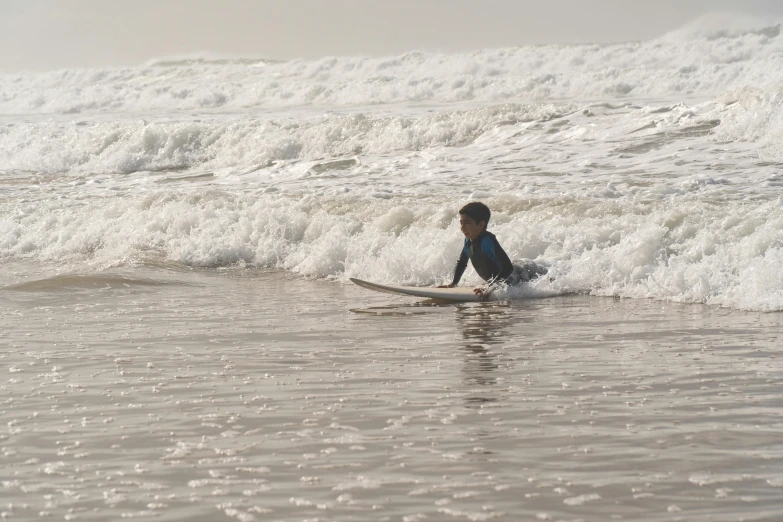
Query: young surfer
[{"x": 485, "y": 253}]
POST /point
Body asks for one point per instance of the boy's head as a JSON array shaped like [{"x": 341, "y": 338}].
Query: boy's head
[{"x": 473, "y": 219}]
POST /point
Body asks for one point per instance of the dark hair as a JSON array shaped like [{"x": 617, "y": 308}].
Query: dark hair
[{"x": 477, "y": 210}]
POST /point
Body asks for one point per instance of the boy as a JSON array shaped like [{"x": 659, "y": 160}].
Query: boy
[{"x": 485, "y": 253}]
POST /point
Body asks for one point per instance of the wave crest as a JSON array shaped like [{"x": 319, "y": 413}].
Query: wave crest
[{"x": 724, "y": 25}]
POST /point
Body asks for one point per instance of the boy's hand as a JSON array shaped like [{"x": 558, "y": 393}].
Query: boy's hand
[{"x": 482, "y": 293}]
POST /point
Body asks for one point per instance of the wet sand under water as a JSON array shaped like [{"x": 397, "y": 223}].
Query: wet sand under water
[{"x": 155, "y": 394}]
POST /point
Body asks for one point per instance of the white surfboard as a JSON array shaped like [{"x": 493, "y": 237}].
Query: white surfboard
[{"x": 460, "y": 293}]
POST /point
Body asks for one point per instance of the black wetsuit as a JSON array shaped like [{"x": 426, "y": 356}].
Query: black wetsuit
[{"x": 492, "y": 263}]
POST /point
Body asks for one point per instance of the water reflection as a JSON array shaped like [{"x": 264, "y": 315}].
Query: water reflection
[
  {"x": 489, "y": 339},
  {"x": 484, "y": 330},
  {"x": 404, "y": 309}
]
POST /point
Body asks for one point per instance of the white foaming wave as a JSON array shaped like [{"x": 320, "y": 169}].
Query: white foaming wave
[
  {"x": 753, "y": 115},
  {"x": 131, "y": 146},
  {"x": 669, "y": 66},
  {"x": 684, "y": 248},
  {"x": 605, "y": 136}
]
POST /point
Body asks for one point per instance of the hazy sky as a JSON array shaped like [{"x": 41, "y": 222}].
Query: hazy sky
[{"x": 47, "y": 34}]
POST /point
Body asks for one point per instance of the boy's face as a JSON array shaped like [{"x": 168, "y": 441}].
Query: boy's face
[{"x": 470, "y": 228}]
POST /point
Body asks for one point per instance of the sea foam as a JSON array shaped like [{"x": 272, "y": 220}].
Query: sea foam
[{"x": 680, "y": 248}]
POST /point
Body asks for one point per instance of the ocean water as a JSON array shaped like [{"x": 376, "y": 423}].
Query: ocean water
[
  {"x": 646, "y": 170},
  {"x": 173, "y": 236}
]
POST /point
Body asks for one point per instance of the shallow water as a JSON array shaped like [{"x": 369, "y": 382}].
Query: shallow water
[{"x": 157, "y": 394}]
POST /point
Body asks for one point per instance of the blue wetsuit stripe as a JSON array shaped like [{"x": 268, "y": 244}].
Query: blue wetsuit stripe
[{"x": 488, "y": 247}]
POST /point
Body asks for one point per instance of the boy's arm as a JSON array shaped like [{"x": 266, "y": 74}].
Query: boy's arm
[{"x": 462, "y": 264}]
